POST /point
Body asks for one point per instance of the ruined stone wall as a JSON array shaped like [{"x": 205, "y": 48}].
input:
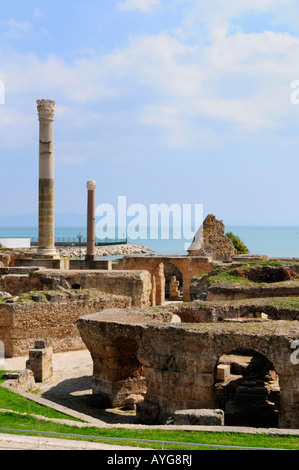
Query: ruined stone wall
[
  {"x": 180, "y": 361},
  {"x": 188, "y": 267},
  {"x": 237, "y": 293},
  {"x": 55, "y": 319},
  {"x": 211, "y": 241},
  {"x": 134, "y": 284},
  {"x": 4, "y": 259},
  {"x": 17, "y": 284},
  {"x": 9, "y": 257},
  {"x": 208, "y": 312}
]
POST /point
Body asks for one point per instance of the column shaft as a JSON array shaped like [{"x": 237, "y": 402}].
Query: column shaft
[
  {"x": 46, "y": 218},
  {"x": 90, "y": 253}
]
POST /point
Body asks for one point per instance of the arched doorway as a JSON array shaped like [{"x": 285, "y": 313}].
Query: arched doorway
[
  {"x": 247, "y": 389},
  {"x": 173, "y": 282}
]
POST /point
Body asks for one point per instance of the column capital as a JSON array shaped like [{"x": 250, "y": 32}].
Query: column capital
[
  {"x": 46, "y": 109},
  {"x": 91, "y": 185}
]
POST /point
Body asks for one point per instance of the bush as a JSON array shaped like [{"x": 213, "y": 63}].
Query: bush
[{"x": 238, "y": 244}]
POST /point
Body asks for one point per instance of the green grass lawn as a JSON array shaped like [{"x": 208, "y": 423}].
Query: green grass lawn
[
  {"x": 14, "y": 402},
  {"x": 26, "y": 421}
]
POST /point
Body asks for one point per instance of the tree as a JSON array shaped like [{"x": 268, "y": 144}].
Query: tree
[{"x": 238, "y": 244}]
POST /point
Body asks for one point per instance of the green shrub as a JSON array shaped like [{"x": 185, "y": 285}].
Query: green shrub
[{"x": 238, "y": 244}]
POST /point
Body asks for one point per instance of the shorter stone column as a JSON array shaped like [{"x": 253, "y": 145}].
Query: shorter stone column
[
  {"x": 40, "y": 361},
  {"x": 90, "y": 253}
]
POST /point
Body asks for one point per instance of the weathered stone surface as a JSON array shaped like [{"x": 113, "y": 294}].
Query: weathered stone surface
[
  {"x": 188, "y": 266},
  {"x": 131, "y": 401},
  {"x": 136, "y": 285},
  {"x": 40, "y": 363},
  {"x": 19, "y": 381},
  {"x": 251, "y": 292},
  {"x": 147, "y": 413},
  {"x": 133, "y": 284},
  {"x": 5, "y": 259},
  {"x": 180, "y": 360},
  {"x": 12, "y": 300},
  {"x": 199, "y": 417},
  {"x": 21, "y": 323},
  {"x": 174, "y": 293},
  {"x": 211, "y": 241},
  {"x": 229, "y": 281},
  {"x": 223, "y": 372}
]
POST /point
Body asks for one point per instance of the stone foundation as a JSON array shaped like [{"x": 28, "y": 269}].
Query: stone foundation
[
  {"x": 199, "y": 417},
  {"x": 133, "y": 284},
  {"x": 179, "y": 361},
  {"x": 51, "y": 315}
]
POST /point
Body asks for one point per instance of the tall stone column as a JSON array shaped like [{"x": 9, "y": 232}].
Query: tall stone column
[
  {"x": 90, "y": 253},
  {"x": 46, "y": 223}
]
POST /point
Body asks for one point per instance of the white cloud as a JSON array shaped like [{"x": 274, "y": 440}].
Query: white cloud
[
  {"x": 139, "y": 5},
  {"x": 15, "y": 29},
  {"x": 159, "y": 82},
  {"x": 220, "y": 12}
]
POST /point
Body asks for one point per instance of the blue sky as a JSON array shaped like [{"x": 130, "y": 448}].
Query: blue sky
[{"x": 161, "y": 101}]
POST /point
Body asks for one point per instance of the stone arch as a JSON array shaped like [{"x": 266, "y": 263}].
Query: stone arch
[
  {"x": 247, "y": 389},
  {"x": 188, "y": 266}
]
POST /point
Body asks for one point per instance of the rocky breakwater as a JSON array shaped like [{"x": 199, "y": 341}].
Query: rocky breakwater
[{"x": 100, "y": 251}]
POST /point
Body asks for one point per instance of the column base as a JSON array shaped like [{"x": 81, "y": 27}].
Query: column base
[
  {"x": 46, "y": 253},
  {"x": 90, "y": 257}
]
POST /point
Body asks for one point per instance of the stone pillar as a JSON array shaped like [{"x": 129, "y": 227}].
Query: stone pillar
[
  {"x": 186, "y": 288},
  {"x": 90, "y": 253},
  {"x": 46, "y": 236},
  {"x": 40, "y": 361},
  {"x": 160, "y": 285}
]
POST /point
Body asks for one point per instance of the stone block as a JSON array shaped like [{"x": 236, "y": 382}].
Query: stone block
[
  {"x": 223, "y": 372},
  {"x": 201, "y": 417},
  {"x": 131, "y": 401},
  {"x": 40, "y": 362},
  {"x": 19, "y": 381},
  {"x": 147, "y": 413}
]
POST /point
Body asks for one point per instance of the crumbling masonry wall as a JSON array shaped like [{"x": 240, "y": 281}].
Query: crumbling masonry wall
[
  {"x": 22, "y": 323},
  {"x": 180, "y": 360},
  {"x": 136, "y": 285},
  {"x": 188, "y": 266}
]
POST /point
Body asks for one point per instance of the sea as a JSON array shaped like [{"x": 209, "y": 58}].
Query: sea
[{"x": 271, "y": 241}]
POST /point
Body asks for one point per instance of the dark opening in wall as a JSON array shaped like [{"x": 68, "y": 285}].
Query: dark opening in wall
[
  {"x": 76, "y": 286},
  {"x": 247, "y": 390}
]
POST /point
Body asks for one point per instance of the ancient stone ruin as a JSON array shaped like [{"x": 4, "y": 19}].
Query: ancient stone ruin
[
  {"x": 208, "y": 338},
  {"x": 180, "y": 367},
  {"x": 211, "y": 242}
]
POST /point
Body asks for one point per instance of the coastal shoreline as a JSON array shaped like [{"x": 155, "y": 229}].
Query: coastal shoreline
[
  {"x": 100, "y": 251},
  {"x": 103, "y": 251}
]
